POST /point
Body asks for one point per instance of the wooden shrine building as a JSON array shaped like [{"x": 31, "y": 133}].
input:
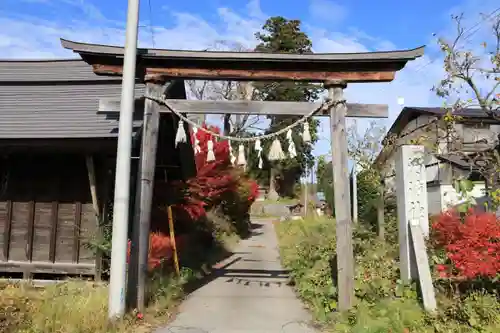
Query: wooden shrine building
[
  {"x": 159, "y": 68},
  {"x": 57, "y": 159}
]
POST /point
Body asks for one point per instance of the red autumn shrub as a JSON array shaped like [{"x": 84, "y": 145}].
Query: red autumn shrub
[
  {"x": 220, "y": 148},
  {"x": 254, "y": 190},
  {"x": 217, "y": 183},
  {"x": 161, "y": 248},
  {"x": 214, "y": 180},
  {"x": 247, "y": 189},
  {"x": 471, "y": 244}
]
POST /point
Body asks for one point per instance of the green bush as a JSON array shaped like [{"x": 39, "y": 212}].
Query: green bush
[
  {"x": 368, "y": 196},
  {"x": 383, "y": 302},
  {"x": 387, "y": 315},
  {"x": 307, "y": 250},
  {"x": 478, "y": 311},
  {"x": 368, "y": 185}
]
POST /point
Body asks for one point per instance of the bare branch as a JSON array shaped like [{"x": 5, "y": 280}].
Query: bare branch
[
  {"x": 461, "y": 65},
  {"x": 463, "y": 69},
  {"x": 226, "y": 90}
]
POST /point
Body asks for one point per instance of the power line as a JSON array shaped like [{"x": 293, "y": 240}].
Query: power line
[
  {"x": 480, "y": 22},
  {"x": 476, "y": 25}
]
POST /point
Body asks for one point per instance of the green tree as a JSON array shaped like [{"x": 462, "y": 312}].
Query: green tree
[
  {"x": 363, "y": 150},
  {"x": 285, "y": 36},
  {"x": 324, "y": 175}
]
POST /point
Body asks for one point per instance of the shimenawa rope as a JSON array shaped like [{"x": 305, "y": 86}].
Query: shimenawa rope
[{"x": 275, "y": 152}]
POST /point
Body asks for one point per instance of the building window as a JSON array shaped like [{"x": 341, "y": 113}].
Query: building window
[
  {"x": 472, "y": 133},
  {"x": 475, "y": 177}
]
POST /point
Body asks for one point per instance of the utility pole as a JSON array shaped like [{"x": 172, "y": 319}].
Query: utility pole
[{"x": 117, "y": 279}]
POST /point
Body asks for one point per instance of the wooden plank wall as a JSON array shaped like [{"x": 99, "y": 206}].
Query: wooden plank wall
[{"x": 46, "y": 212}]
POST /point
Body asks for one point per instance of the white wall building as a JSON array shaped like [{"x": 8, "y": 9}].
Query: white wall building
[{"x": 475, "y": 131}]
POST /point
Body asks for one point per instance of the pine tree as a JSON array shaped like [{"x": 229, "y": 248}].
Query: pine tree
[{"x": 285, "y": 36}]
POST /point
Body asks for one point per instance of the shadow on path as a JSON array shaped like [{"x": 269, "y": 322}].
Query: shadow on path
[
  {"x": 245, "y": 293},
  {"x": 222, "y": 270}
]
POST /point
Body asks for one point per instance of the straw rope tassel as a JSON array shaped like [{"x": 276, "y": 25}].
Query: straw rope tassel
[
  {"x": 241, "y": 155},
  {"x": 276, "y": 152},
  {"x": 232, "y": 158},
  {"x": 210, "y": 151},
  {"x": 180, "y": 136},
  {"x": 306, "y": 135},
  {"x": 258, "y": 148},
  {"x": 197, "y": 148},
  {"x": 292, "y": 151}
]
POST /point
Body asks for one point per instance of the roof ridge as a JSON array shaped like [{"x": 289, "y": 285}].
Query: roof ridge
[
  {"x": 73, "y": 45},
  {"x": 41, "y": 60}
]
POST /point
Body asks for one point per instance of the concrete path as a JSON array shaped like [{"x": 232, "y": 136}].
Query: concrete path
[{"x": 248, "y": 294}]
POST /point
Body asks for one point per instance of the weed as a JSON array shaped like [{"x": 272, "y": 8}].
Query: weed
[{"x": 77, "y": 306}]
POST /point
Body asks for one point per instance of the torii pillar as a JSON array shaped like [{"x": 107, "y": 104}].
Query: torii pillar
[{"x": 342, "y": 200}]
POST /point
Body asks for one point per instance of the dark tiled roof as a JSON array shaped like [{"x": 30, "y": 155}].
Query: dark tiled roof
[
  {"x": 411, "y": 112},
  {"x": 220, "y": 64},
  {"x": 36, "y": 104},
  {"x": 65, "y": 70},
  {"x": 245, "y": 56}
]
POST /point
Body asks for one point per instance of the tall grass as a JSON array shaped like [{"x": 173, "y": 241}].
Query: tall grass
[{"x": 79, "y": 307}]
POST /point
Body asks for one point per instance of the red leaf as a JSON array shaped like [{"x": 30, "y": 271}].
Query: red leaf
[{"x": 472, "y": 244}]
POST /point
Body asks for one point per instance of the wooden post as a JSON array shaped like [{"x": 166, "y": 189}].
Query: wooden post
[
  {"x": 93, "y": 187},
  {"x": 7, "y": 231},
  {"x": 31, "y": 229},
  {"x": 77, "y": 231},
  {"x": 89, "y": 161},
  {"x": 142, "y": 217},
  {"x": 272, "y": 193},
  {"x": 133, "y": 264},
  {"x": 172, "y": 240},
  {"x": 345, "y": 256}
]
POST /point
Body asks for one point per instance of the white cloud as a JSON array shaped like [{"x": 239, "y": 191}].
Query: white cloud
[
  {"x": 326, "y": 10},
  {"x": 80, "y": 6},
  {"x": 31, "y": 37},
  {"x": 254, "y": 10}
]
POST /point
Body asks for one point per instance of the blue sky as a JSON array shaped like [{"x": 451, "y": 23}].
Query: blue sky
[{"x": 32, "y": 28}]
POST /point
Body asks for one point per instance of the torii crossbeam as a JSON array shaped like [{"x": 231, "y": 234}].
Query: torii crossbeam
[
  {"x": 112, "y": 105},
  {"x": 157, "y": 67}
]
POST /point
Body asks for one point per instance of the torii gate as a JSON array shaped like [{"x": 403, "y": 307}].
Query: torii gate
[{"x": 160, "y": 68}]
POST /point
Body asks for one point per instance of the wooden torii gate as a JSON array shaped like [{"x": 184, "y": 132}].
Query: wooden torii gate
[{"x": 159, "y": 68}]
